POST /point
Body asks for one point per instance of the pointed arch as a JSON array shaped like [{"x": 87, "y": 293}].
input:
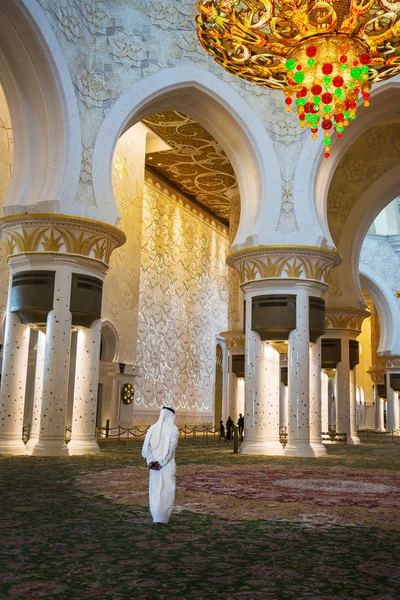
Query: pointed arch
[{"x": 227, "y": 117}]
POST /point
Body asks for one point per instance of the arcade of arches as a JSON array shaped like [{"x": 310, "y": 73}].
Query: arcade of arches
[{"x": 186, "y": 242}]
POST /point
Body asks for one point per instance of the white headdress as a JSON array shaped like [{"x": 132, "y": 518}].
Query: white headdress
[{"x": 160, "y": 434}]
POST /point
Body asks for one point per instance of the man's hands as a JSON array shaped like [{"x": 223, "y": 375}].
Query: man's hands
[{"x": 154, "y": 465}]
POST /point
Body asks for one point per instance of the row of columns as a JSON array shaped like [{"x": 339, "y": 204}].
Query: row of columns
[{"x": 51, "y": 375}]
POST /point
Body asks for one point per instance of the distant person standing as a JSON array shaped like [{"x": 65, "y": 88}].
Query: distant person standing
[
  {"x": 159, "y": 448},
  {"x": 241, "y": 426},
  {"x": 221, "y": 431},
  {"x": 229, "y": 426}
]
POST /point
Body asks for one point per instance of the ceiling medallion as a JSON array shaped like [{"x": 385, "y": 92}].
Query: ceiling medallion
[{"x": 324, "y": 55}]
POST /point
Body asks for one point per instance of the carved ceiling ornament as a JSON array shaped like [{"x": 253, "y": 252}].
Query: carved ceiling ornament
[
  {"x": 390, "y": 361},
  {"x": 61, "y": 234},
  {"x": 196, "y": 163},
  {"x": 350, "y": 319},
  {"x": 234, "y": 339},
  {"x": 378, "y": 377},
  {"x": 288, "y": 262}
]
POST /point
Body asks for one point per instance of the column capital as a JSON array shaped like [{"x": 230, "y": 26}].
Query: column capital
[
  {"x": 284, "y": 262},
  {"x": 378, "y": 377},
  {"x": 60, "y": 234},
  {"x": 390, "y": 362},
  {"x": 234, "y": 339},
  {"x": 346, "y": 320}
]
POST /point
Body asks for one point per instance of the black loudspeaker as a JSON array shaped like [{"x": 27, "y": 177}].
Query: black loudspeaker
[
  {"x": 316, "y": 309},
  {"x": 381, "y": 390},
  {"x": 238, "y": 365},
  {"x": 86, "y": 297},
  {"x": 331, "y": 353},
  {"x": 32, "y": 294},
  {"x": 273, "y": 317},
  {"x": 395, "y": 381},
  {"x": 284, "y": 375},
  {"x": 354, "y": 351}
]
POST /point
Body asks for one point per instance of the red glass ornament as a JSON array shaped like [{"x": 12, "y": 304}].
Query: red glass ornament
[
  {"x": 314, "y": 130},
  {"x": 352, "y": 104},
  {"x": 326, "y": 98},
  {"x": 311, "y": 51},
  {"x": 337, "y": 81},
  {"x": 343, "y": 59},
  {"x": 302, "y": 117},
  {"x": 326, "y": 124},
  {"x": 327, "y": 155},
  {"x": 366, "y": 96},
  {"x": 291, "y": 82},
  {"x": 357, "y": 90},
  {"x": 288, "y": 101},
  {"x": 302, "y": 92},
  {"x": 327, "y": 69},
  {"x": 340, "y": 135},
  {"x": 356, "y": 63},
  {"x": 316, "y": 89},
  {"x": 365, "y": 59},
  {"x": 299, "y": 67},
  {"x": 339, "y": 117},
  {"x": 309, "y": 108}
]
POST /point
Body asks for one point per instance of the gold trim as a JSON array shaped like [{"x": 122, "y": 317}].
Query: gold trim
[
  {"x": 280, "y": 247},
  {"x": 63, "y": 234}
]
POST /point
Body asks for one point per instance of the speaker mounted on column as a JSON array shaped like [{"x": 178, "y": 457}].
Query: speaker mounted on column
[
  {"x": 32, "y": 296},
  {"x": 316, "y": 309},
  {"x": 274, "y": 316},
  {"x": 238, "y": 365},
  {"x": 381, "y": 390},
  {"x": 354, "y": 353},
  {"x": 284, "y": 375},
  {"x": 395, "y": 381},
  {"x": 331, "y": 353},
  {"x": 86, "y": 298}
]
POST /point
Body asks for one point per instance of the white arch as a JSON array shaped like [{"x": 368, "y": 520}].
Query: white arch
[
  {"x": 43, "y": 111},
  {"x": 314, "y": 173},
  {"x": 387, "y": 307},
  {"x": 214, "y": 105}
]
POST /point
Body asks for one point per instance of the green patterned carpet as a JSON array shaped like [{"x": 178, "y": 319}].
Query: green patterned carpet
[{"x": 79, "y": 528}]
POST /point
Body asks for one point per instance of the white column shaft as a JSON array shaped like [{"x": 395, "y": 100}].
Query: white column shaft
[
  {"x": 284, "y": 407},
  {"x": 83, "y": 436},
  {"x": 324, "y": 402},
  {"x": 315, "y": 399},
  {"x": 353, "y": 437},
  {"x": 13, "y": 385},
  {"x": 37, "y": 397},
  {"x": 55, "y": 382},
  {"x": 299, "y": 382},
  {"x": 343, "y": 391}
]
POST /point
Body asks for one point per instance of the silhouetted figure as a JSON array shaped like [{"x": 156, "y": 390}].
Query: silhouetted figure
[
  {"x": 229, "y": 426},
  {"x": 241, "y": 426},
  {"x": 221, "y": 431}
]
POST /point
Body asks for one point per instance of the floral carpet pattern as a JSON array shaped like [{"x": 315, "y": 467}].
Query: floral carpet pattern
[{"x": 244, "y": 528}]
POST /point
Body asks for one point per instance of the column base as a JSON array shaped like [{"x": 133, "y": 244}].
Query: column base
[
  {"x": 268, "y": 448},
  {"x": 12, "y": 447},
  {"x": 31, "y": 443},
  {"x": 50, "y": 448},
  {"x": 318, "y": 448},
  {"x": 380, "y": 430},
  {"x": 353, "y": 440},
  {"x": 299, "y": 448},
  {"x": 78, "y": 447}
]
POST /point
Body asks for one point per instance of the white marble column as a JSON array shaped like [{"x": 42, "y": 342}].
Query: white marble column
[
  {"x": 37, "y": 396},
  {"x": 352, "y": 436},
  {"x": 379, "y": 411},
  {"x": 325, "y": 405},
  {"x": 262, "y": 380},
  {"x": 13, "y": 384},
  {"x": 284, "y": 407},
  {"x": 299, "y": 382},
  {"x": 315, "y": 399},
  {"x": 342, "y": 391},
  {"x": 83, "y": 436},
  {"x": 392, "y": 407},
  {"x": 55, "y": 382}
]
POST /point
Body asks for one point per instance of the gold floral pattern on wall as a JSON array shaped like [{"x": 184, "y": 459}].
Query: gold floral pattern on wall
[
  {"x": 372, "y": 155},
  {"x": 196, "y": 164},
  {"x": 183, "y": 302}
]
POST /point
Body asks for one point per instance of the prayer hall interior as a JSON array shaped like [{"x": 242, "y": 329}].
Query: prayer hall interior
[{"x": 200, "y": 211}]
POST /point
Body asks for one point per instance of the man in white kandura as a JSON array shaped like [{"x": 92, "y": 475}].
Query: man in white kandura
[{"x": 159, "y": 451}]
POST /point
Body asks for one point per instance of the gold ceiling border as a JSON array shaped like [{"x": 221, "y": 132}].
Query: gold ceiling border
[
  {"x": 287, "y": 262},
  {"x": 62, "y": 234}
]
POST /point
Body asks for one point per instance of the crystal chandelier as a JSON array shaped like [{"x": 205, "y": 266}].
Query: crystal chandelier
[{"x": 324, "y": 55}]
